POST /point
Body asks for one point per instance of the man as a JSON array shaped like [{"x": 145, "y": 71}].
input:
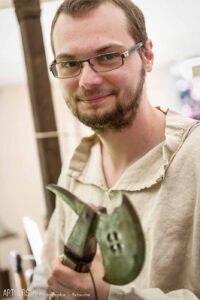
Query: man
[{"x": 102, "y": 54}]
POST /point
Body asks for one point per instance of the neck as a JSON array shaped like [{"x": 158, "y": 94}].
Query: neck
[{"x": 122, "y": 148}]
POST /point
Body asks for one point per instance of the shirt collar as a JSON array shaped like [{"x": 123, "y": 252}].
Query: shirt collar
[{"x": 85, "y": 165}]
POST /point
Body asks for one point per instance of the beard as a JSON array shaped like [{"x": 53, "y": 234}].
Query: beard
[{"x": 121, "y": 116}]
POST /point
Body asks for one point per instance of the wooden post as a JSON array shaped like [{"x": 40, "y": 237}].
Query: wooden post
[{"x": 28, "y": 15}]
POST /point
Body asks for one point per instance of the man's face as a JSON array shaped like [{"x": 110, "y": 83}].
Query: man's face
[{"x": 100, "y": 100}]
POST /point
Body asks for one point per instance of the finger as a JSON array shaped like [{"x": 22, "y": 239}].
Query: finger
[
  {"x": 52, "y": 293},
  {"x": 69, "y": 278},
  {"x": 56, "y": 286}
]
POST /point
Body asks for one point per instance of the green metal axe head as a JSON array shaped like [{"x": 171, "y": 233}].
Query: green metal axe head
[{"x": 118, "y": 234}]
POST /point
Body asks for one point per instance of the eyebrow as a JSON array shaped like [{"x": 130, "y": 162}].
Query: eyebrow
[
  {"x": 104, "y": 49},
  {"x": 109, "y": 47},
  {"x": 64, "y": 56}
]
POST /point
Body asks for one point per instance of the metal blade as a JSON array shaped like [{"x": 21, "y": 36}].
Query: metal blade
[
  {"x": 122, "y": 243},
  {"x": 75, "y": 203}
]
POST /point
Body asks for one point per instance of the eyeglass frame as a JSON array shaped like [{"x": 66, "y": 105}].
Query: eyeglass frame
[{"x": 123, "y": 55}]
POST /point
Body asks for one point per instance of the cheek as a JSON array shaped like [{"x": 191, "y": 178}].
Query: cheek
[
  {"x": 122, "y": 81},
  {"x": 128, "y": 75},
  {"x": 68, "y": 86},
  {"x": 132, "y": 74},
  {"x": 116, "y": 78}
]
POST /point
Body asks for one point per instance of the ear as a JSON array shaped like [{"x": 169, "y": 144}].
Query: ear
[{"x": 148, "y": 56}]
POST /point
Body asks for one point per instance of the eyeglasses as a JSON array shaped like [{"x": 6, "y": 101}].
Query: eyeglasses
[{"x": 101, "y": 63}]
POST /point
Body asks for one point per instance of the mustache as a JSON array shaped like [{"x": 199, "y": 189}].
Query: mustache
[{"x": 84, "y": 95}]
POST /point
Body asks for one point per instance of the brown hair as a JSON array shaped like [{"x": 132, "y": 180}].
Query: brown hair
[{"x": 78, "y": 8}]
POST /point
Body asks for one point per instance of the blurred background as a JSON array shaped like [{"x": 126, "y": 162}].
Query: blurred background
[{"x": 174, "y": 27}]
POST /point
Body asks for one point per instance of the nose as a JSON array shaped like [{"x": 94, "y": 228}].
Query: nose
[{"x": 88, "y": 77}]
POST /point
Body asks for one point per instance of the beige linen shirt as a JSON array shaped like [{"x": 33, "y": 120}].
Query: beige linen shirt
[{"x": 164, "y": 187}]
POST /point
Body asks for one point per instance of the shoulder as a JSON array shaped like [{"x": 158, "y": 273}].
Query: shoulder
[
  {"x": 181, "y": 131},
  {"x": 191, "y": 136}
]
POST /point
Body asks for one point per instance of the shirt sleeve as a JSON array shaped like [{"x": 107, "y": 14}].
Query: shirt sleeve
[
  {"x": 150, "y": 294},
  {"x": 52, "y": 248}
]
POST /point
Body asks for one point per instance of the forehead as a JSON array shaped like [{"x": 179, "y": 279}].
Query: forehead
[{"x": 78, "y": 35}]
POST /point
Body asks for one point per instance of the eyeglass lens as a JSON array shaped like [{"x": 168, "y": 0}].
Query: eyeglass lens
[{"x": 101, "y": 63}]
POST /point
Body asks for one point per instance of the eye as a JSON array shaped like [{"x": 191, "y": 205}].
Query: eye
[
  {"x": 109, "y": 59},
  {"x": 69, "y": 64},
  {"x": 109, "y": 56}
]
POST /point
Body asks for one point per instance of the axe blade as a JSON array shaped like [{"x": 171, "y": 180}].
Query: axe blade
[
  {"x": 119, "y": 235},
  {"x": 75, "y": 203},
  {"x": 122, "y": 244}
]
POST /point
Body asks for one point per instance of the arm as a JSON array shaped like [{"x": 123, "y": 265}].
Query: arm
[
  {"x": 150, "y": 294},
  {"x": 52, "y": 248},
  {"x": 67, "y": 282},
  {"x": 50, "y": 275}
]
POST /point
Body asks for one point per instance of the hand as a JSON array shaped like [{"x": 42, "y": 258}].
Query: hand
[{"x": 74, "y": 285}]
